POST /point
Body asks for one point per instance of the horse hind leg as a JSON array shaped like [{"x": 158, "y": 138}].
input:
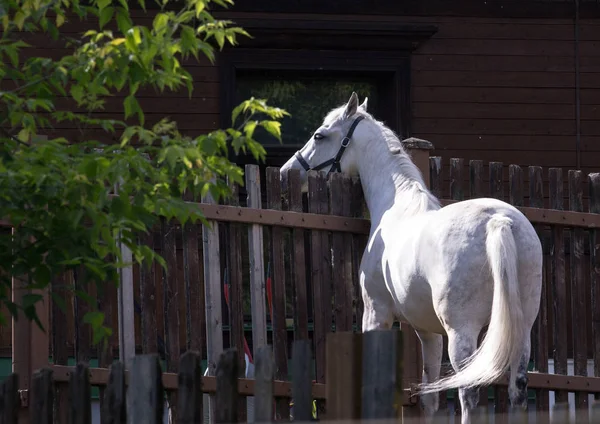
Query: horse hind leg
[
  {"x": 432, "y": 347},
  {"x": 461, "y": 345},
  {"x": 517, "y": 385}
]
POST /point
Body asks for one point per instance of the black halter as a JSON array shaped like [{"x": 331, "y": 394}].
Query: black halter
[{"x": 335, "y": 162}]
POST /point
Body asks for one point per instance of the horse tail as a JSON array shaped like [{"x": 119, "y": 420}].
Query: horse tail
[{"x": 505, "y": 337}]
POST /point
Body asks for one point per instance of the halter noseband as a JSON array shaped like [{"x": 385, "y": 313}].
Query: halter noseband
[{"x": 334, "y": 162}]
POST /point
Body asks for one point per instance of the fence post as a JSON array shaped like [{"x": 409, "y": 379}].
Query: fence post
[
  {"x": 382, "y": 374},
  {"x": 344, "y": 360},
  {"x": 418, "y": 150}
]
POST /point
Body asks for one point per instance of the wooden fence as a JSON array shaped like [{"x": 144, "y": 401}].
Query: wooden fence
[
  {"x": 364, "y": 374},
  {"x": 275, "y": 267}
]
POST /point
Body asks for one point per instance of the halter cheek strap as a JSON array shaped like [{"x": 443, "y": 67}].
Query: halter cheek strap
[{"x": 334, "y": 162}]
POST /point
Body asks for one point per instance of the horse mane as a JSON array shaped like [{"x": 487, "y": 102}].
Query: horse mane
[{"x": 411, "y": 180}]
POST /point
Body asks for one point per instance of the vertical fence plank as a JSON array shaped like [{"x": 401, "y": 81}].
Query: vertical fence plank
[
  {"x": 114, "y": 405},
  {"x": 578, "y": 293},
  {"x": 171, "y": 304},
  {"x": 298, "y": 260},
  {"x": 344, "y": 356},
  {"x": 342, "y": 288},
  {"x": 10, "y": 402},
  {"x": 515, "y": 184},
  {"x": 476, "y": 179},
  {"x": 106, "y": 301},
  {"x": 194, "y": 286},
  {"x": 382, "y": 384},
  {"x": 540, "y": 329},
  {"x": 558, "y": 282},
  {"x": 80, "y": 408},
  {"x": 145, "y": 397},
  {"x": 278, "y": 316},
  {"x": 594, "y": 207},
  {"x": 234, "y": 279},
  {"x": 60, "y": 354},
  {"x": 497, "y": 191},
  {"x": 347, "y": 317},
  {"x": 212, "y": 295},
  {"x": 359, "y": 243},
  {"x": 301, "y": 381},
  {"x": 257, "y": 266},
  {"x": 227, "y": 394},
  {"x": 456, "y": 178},
  {"x": 263, "y": 393},
  {"x": 42, "y": 398},
  {"x": 148, "y": 299},
  {"x": 189, "y": 387},
  {"x": 435, "y": 175},
  {"x": 316, "y": 187},
  {"x": 496, "y": 180}
]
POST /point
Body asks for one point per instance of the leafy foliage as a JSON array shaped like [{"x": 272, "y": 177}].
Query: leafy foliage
[{"x": 72, "y": 202}]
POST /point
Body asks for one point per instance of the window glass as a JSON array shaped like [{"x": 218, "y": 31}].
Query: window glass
[{"x": 307, "y": 98}]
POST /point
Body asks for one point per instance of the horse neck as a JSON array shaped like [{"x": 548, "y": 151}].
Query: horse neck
[{"x": 390, "y": 180}]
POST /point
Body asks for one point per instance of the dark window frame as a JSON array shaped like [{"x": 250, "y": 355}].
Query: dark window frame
[{"x": 394, "y": 68}]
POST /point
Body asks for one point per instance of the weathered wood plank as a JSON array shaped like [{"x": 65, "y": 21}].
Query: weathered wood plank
[
  {"x": 301, "y": 381},
  {"x": 359, "y": 243},
  {"x": 540, "y": 329},
  {"x": 496, "y": 180},
  {"x": 80, "y": 397},
  {"x": 227, "y": 394},
  {"x": 189, "y": 387},
  {"x": 435, "y": 175},
  {"x": 278, "y": 281},
  {"x": 83, "y": 330},
  {"x": 61, "y": 314},
  {"x": 212, "y": 295},
  {"x": 515, "y": 184},
  {"x": 265, "y": 372},
  {"x": 145, "y": 404},
  {"x": 319, "y": 255},
  {"x": 342, "y": 289},
  {"x": 476, "y": 179},
  {"x": 236, "y": 292},
  {"x": 171, "y": 304},
  {"x": 344, "y": 353},
  {"x": 42, "y": 397},
  {"x": 298, "y": 259},
  {"x": 148, "y": 324},
  {"x": 347, "y": 265},
  {"x": 579, "y": 304},
  {"x": 114, "y": 405},
  {"x": 10, "y": 401},
  {"x": 456, "y": 178},
  {"x": 382, "y": 390},
  {"x": 558, "y": 282},
  {"x": 594, "y": 207},
  {"x": 257, "y": 265},
  {"x": 194, "y": 287}
]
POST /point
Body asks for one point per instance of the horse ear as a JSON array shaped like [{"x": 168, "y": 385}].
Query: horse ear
[
  {"x": 364, "y": 104},
  {"x": 351, "y": 106}
]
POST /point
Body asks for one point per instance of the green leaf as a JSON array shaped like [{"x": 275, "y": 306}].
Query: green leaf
[
  {"x": 94, "y": 318},
  {"x": 106, "y": 15},
  {"x": 42, "y": 275},
  {"x": 273, "y": 127},
  {"x": 132, "y": 106},
  {"x": 102, "y": 4},
  {"x": 123, "y": 20}
]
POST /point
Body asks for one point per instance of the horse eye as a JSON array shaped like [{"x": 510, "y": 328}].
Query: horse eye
[{"x": 319, "y": 136}]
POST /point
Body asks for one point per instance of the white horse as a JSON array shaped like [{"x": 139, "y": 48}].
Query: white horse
[{"x": 446, "y": 271}]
